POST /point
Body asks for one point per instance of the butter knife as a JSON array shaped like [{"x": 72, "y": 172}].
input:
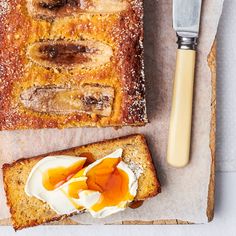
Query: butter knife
[{"x": 186, "y": 21}]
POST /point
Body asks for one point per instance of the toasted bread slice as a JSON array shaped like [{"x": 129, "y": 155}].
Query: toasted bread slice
[{"x": 29, "y": 211}]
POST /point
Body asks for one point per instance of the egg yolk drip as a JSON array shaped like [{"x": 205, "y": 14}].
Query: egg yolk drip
[
  {"x": 105, "y": 177},
  {"x": 111, "y": 182},
  {"x": 55, "y": 177},
  {"x": 89, "y": 158}
]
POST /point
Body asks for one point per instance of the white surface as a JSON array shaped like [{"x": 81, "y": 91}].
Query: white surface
[
  {"x": 225, "y": 213},
  {"x": 226, "y": 116}
]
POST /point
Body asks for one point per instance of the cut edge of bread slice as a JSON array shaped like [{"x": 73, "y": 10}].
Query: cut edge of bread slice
[{"x": 29, "y": 211}]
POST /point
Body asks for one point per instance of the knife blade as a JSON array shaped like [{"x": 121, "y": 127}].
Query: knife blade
[
  {"x": 186, "y": 22},
  {"x": 186, "y": 17}
]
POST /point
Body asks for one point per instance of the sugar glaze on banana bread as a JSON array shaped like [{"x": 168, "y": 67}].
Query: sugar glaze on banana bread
[{"x": 47, "y": 44}]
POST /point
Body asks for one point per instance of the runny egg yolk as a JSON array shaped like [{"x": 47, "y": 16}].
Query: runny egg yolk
[
  {"x": 75, "y": 187},
  {"x": 89, "y": 158},
  {"x": 106, "y": 178},
  {"x": 55, "y": 177},
  {"x": 111, "y": 182}
]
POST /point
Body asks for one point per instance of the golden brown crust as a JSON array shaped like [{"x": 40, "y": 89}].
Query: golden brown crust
[
  {"x": 122, "y": 31},
  {"x": 211, "y": 189},
  {"x": 28, "y": 214}
]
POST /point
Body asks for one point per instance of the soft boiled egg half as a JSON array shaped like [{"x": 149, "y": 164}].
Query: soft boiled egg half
[{"x": 72, "y": 184}]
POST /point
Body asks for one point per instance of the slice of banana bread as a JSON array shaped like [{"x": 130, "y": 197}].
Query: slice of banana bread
[{"x": 30, "y": 211}]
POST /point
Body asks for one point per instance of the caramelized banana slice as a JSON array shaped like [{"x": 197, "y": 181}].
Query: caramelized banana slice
[
  {"x": 86, "y": 54},
  {"x": 51, "y": 9},
  {"x": 91, "y": 99}
]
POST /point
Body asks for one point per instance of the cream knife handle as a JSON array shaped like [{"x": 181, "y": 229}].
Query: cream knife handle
[{"x": 178, "y": 150}]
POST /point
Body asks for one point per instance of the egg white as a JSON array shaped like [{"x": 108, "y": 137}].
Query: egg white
[{"x": 58, "y": 199}]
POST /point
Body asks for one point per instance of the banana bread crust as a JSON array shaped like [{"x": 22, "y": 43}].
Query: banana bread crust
[{"x": 122, "y": 31}]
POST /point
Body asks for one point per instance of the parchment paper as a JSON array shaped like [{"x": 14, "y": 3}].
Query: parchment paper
[{"x": 184, "y": 191}]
